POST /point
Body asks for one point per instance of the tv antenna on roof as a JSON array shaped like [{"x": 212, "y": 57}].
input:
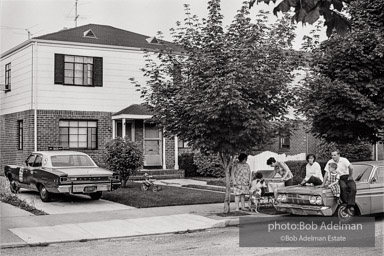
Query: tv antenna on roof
[{"x": 76, "y": 15}]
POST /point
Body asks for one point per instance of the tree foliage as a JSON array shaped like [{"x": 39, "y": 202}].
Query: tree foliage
[
  {"x": 229, "y": 85},
  {"x": 124, "y": 157},
  {"x": 343, "y": 96},
  {"x": 309, "y": 11}
]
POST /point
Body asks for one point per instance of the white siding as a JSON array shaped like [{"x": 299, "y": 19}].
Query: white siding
[
  {"x": 20, "y": 96},
  {"x": 117, "y": 91}
]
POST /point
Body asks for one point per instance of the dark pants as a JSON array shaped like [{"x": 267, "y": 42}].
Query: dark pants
[
  {"x": 288, "y": 182},
  {"x": 316, "y": 181},
  {"x": 348, "y": 190}
]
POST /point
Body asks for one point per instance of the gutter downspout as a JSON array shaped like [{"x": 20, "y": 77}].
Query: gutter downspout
[{"x": 34, "y": 93}]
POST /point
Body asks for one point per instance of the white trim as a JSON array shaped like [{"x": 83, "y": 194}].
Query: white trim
[
  {"x": 34, "y": 92},
  {"x": 123, "y": 131},
  {"x": 133, "y": 131},
  {"x": 113, "y": 129},
  {"x": 130, "y": 116},
  {"x": 176, "y": 153},
  {"x": 164, "y": 163}
]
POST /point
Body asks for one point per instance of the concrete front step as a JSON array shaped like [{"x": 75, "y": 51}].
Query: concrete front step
[{"x": 159, "y": 174}]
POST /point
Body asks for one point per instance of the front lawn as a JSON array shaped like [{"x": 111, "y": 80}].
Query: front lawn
[{"x": 167, "y": 196}]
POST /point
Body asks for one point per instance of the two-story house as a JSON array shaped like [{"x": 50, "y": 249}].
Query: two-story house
[{"x": 71, "y": 90}]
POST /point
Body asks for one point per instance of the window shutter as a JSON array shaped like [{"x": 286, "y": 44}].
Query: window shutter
[
  {"x": 59, "y": 69},
  {"x": 98, "y": 71}
]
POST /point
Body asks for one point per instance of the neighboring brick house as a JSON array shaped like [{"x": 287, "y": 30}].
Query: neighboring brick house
[{"x": 71, "y": 89}]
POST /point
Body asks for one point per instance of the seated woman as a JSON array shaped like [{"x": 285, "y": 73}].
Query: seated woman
[
  {"x": 282, "y": 169},
  {"x": 313, "y": 173}
]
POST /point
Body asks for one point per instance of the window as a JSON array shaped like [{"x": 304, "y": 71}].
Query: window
[
  {"x": 78, "y": 134},
  {"x": 20, "y": 134},
  {"x": 31, "y": 160},
  {"x": 182, "y": 144},
  {"x": 284, "y": 142},
  {"x": 379, "y": 175},
  {"x": 38, "y": 161},
  {"x": 78, "y": 70},
  {"x": 8, "y": 77}
]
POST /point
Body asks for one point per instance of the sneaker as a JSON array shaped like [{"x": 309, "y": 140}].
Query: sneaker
[{"x": 349, "y": 211}]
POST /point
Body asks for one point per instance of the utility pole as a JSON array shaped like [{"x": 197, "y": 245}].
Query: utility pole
[{"x": 76, "y": 15}]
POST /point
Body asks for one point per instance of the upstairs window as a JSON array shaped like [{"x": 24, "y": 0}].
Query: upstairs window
[
  {"x": 8, "y": 77},
  {"x": 78, "y": 70},
  {"x": 284, "y": 142}
]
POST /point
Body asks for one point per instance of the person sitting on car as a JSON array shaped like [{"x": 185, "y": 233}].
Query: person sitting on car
[{"x": 313, "y": 175}]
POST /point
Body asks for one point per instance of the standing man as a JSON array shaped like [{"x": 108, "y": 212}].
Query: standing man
[{"x": 347, "y": 184}]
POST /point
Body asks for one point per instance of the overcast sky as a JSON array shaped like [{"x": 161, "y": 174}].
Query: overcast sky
[{"x": 141, "y": 16}]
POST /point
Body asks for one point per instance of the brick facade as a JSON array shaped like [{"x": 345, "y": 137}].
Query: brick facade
[
  {"x": 9, "y": 151},
  {"x": 48, "y": 129},
  {"x": 170, "y": 152},
  {"x": 301, "y": 141}
]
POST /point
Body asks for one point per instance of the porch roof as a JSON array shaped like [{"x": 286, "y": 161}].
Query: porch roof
[{"x": 134, "y": 111}]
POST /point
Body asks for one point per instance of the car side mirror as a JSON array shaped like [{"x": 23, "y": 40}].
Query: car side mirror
[{"x": 373, "y": 180}]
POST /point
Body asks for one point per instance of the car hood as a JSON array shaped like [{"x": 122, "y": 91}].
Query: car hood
[
  {"x": 303, "y": 190},
  {"x": 85, "y": 171}
]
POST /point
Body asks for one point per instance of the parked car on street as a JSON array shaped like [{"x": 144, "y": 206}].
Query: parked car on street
[
  {"x": 54, "y": 172},
  {"x": 314, "y": 200}
]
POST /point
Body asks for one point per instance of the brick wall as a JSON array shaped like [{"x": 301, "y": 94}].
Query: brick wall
[
  {"x": 298, "y": 142},
  {"x": 139, "y": 133},
  {"x": 48, "y": 129},
  {"x": 9, "y": 152}
]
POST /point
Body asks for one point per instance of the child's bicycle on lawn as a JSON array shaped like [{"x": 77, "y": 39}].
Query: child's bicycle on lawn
[{"x": 148, "y": 183}]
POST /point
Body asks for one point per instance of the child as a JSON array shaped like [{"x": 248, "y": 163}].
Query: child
[
  {"x": 256, "y": 192},
  {"x": 332, "y": 181}
]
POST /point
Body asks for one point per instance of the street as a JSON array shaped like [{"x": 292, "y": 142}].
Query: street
[{"x": 224, "y": 241}]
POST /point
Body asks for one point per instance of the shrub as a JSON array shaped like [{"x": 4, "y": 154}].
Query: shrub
[
  {"x": 353, "y": 152},
  {"x": 186, "y": 163},
  {"x": 124, "y": 157},
  {"x": 208, "y": 165}
]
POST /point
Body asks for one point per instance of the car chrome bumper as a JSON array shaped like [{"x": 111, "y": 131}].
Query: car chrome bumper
[
  {"x": 304, "y": 209},
  {"x": 81, "y": 188}
]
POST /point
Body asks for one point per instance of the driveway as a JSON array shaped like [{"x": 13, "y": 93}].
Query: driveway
[{"x": 70, "y": 203}]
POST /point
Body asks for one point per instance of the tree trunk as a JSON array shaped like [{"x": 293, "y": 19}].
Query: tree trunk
[
  {"x": 227, "y": 199},
  {"x": 226, "y": 161}
]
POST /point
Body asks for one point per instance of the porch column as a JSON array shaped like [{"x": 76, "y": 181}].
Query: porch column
[
  {"x": 164, "y": 163},
  {"x": 113, "y": 129},
  {"x": 123, "y": 128},
  {"x": 176, "y": 154}
]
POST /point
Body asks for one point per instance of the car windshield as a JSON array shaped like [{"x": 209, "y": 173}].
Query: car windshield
[
  {"x": 71, "y": 161},
  {"x": 361, "y": 172}
]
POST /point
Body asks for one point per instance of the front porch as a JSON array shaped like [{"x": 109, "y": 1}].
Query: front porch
[{"x": 159, "y": 152}]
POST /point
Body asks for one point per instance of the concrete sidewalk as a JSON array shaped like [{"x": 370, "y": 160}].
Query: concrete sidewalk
[{"x": 21, "y": 229}]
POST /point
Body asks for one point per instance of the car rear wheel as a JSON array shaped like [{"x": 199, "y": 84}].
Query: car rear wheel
[
  {"x": 45, "y": 195},
  {"x": 96, "y": 195}
]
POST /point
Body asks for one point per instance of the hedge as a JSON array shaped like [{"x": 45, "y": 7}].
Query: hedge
[{"x": 186, "y": 163}]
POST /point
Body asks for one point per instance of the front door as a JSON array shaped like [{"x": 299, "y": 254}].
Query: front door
[{"x": 152, "y": 145}]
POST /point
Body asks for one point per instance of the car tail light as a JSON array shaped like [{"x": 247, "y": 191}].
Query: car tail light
[{"x": 63, "y": 179}]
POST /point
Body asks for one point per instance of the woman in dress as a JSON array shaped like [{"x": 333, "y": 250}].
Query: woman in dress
[{"x": 241, "y": 178}]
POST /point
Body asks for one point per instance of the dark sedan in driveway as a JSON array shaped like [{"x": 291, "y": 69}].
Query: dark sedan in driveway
[
  {"x": 54, "y": 172},
  {"x": 306, "y": 200}
]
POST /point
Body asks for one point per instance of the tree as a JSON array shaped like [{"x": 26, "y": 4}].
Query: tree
[
  {"x": 309, "y": 11},
  {"x": 227, "y": 87},
  {"x": 124, "y": 157},
  {"x": 343, "y": 96}
]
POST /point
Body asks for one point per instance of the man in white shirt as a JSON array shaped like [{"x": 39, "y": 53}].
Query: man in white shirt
[{"x": 347, "y": 184}]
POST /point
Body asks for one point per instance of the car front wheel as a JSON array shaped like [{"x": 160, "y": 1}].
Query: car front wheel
[
  {"x": 343, "y": 215},
  {"x": 14, "y": 188},
  {"x": 44, "y": 194},
  {"x": 96, "y": 195}
]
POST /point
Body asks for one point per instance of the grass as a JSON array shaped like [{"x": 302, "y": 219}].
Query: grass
[
  {"x": 8, "y": 197},
  {"x": 167, "y": 196}
]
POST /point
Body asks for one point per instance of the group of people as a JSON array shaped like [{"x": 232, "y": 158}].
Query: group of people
[{"x": 338, "y": 177}]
